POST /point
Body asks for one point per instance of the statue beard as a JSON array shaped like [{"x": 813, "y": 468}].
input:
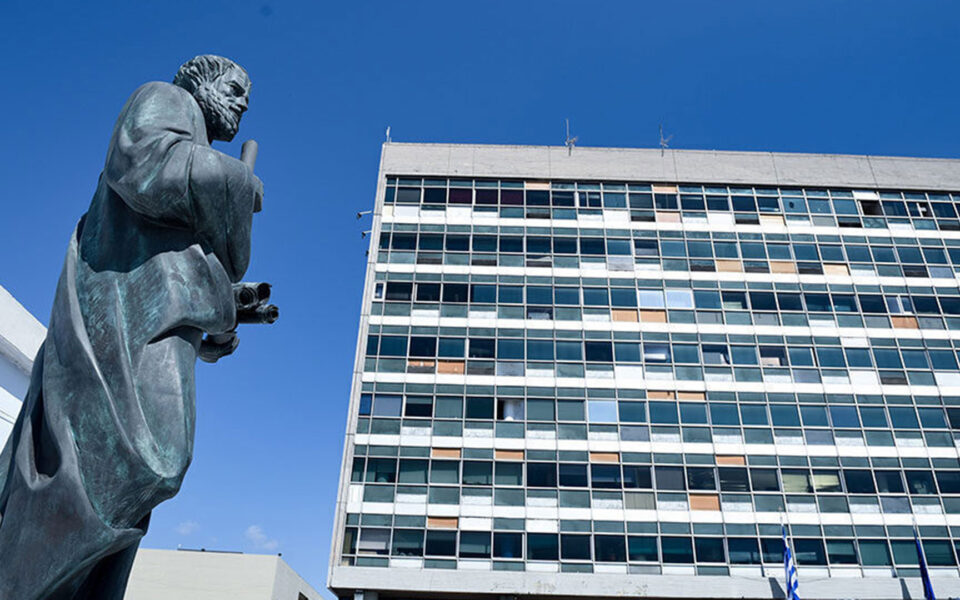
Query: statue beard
[{"x": 222, "y": 122}]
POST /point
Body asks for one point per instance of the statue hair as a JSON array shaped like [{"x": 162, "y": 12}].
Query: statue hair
[{"x": 204, "y": 68}]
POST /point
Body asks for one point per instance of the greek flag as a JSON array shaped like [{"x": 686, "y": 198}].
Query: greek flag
[
  {"x": 790, "y": 569},
  {"x": 924, "y": 573}
]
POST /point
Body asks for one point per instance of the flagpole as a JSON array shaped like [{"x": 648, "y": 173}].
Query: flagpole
[{"x": 922, "y": 562}]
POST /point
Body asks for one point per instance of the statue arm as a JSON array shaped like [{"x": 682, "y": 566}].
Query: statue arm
[{"x": 162, "y": 167}]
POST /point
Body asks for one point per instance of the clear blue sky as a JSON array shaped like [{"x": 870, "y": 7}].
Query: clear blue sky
[{"x": 848, "y": 77}]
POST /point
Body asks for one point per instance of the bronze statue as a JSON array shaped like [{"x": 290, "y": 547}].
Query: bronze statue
[{"x": 106, "y": 430}]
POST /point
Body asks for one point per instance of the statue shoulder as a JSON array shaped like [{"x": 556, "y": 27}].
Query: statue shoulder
[{"x": 160, "y": 97}]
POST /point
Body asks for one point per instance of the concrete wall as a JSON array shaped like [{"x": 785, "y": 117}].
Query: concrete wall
[
  {"x": 190, "y": 575},
  {"x": 672, "y": 166},
  {"x": 20, "y": 338},
  {"x": 457, "y": 585}
]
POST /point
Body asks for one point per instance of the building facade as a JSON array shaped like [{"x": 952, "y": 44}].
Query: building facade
[
  {"x": 613, "y": 372},
  {"x": 20, "y": 338}
]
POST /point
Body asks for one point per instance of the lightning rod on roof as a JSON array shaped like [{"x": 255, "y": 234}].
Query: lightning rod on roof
[
  {"x": 388, "y": 134},
  {"x": 664, "y": 141},
  {"x": 571, "y": 141}
]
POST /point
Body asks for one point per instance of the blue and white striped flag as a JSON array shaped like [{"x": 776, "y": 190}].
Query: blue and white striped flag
[{"x": 790, "y": 569}]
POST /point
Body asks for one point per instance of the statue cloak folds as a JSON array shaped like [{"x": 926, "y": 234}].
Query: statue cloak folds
[{"x": 106, "y": 431}]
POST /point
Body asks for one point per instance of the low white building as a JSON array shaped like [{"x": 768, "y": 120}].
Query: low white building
[
  {"x": 20, "y": 338},
  {"x": 198, "y": 575}
]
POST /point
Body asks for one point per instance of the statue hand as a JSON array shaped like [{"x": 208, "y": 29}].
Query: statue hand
[{"x": 215, "y": 347}]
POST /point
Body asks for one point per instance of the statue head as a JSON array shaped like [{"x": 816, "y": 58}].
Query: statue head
[{"x": 222, "y": 89}]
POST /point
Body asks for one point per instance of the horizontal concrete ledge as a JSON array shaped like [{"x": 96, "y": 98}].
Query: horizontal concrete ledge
[
  {"x": 476, "y": 585},
  {"x": 673, "y": 166}
]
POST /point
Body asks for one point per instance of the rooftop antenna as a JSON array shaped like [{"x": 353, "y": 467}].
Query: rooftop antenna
[
  {"x": 571, "y": 141},
  {"x": 388, "y": 134},
  {"x": 664, "y": 141}
]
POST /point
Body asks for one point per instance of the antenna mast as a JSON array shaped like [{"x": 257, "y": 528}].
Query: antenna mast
[
  {"x": 664, "y": 141},
  {"x": 571, "y": 141}
]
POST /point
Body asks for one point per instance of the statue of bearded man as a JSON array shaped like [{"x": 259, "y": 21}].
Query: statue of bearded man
[{"x": 106, "y": 430}]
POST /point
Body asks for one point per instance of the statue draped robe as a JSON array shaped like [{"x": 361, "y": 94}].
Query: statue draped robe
[{"x": 106, "y": 430}]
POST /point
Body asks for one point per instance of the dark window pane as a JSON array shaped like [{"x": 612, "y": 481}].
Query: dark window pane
[
  {"x": 542, "y": 546},
  {"x": 677, "y": 549},
  {"x": 441, "y": 543},
  {"x": 542, "y": 474},
  {"x": 743, "y": 551},
  {"x": 809, "y": 552},
  {"x": 642, "y": 548},
  {"x": 709, "y": 549},
  {"x": 475, "y": 544},
  {"x": 575, "y": 547},
  {"x": 610, "y": 548},
  {"x": 573, "y": 475},
  {"x": 507, "y": 545}
]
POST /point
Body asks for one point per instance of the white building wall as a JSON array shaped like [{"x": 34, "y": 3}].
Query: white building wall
[
  {"x": 190, "y": 575},
  {"x": 21, "y": 335}
]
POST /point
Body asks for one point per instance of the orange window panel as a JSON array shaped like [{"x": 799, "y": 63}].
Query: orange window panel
[
  {"x": 704, "y": 502},
  {"x": 421, "y": 366},
  {"x": 664, "y": 189},
  {"x": 782, "y": 267},
  {"x": 445, "y": 452},
  {"x": 451, "y": 367},
  {"x": 905, "y": 322},
  {"x": 691, "y": 396},
  {"x": 536, "y": 185},
  {"x": 653, "y": 316},
  {"x": 442, "y": 522},
  {"x": 604, "y": 457},
  {"x": 508, "y": 454},
  {"x": 660, "y": 395},
  {"x": 729, "y": 266},
  {"x": 625, "y": 315},
  {"x": 731, "y": 459}
]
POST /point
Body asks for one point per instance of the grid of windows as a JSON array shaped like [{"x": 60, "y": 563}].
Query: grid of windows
[
  {"x": 645, "y": 202},
  {"x": 691, "y": 342}
]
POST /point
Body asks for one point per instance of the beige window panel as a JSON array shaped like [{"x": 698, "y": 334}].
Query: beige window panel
[
  {"x": 904, "y": 322},
  {"x": 625, "y": 315},
  {"x": 653, "y": 316},
  {"x": 453, "y": 367},
  {"x": 704, "y": 502},
  {"x": 692, "y": 396},
  {"x": 731, "y": 459},
  {"x": 442, "y": 522},
  {"x": 508, "y": 454},
  {"x": 782, "y": 267},
  {"x": 660, "y": 395},
  {"x": 729, "y": 266},
  {"x": 536, "y": 185},
  {"x": 445, "y": 452},
  {"x": 668, "y": 217},
  {"x": 664, "y": 189},
  {"x": 604, "y": 457},
  {"x": 835, "y": 269},
  {"x": 772, "y": 220}
]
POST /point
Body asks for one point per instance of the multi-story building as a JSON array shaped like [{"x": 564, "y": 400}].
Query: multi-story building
[{"x": 611, "y": 372}]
